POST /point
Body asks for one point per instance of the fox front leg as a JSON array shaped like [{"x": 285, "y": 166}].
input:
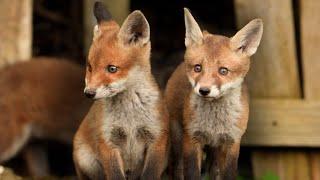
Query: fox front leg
[
  {"x": 112, "y": 163},
  {"x": 192, "y": 155},
  {"x": 225, "y": 164},
  {"x": 156, "y": 158},
  {"x": 36, "y": 158},
  {"x": 176, "y": 157}
]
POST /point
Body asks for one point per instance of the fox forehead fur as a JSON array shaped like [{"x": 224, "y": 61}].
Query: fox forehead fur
[
  {"x": 113, "y": 45},
  {"x": 213, "y": 53}
]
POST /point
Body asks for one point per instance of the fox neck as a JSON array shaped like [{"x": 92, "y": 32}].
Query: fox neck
[{"x": 217, "y": 118}]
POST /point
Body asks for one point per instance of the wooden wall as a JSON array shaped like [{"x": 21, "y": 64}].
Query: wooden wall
[
  {"x": 15, "y": 31},
  {"x": 310, "y": 46},
  {"x": 283, "y": 111}
]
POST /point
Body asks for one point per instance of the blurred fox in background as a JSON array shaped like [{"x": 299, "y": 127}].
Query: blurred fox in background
[
  {"x": 41, "y": 98},
  {"x": 207, "y": 100}
]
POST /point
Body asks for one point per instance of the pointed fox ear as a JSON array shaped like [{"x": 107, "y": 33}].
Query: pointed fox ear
[
  {"x": 135, "y": 29},
  {"x": 193, "y": 31},
  {"x": 102, "y": 15},
  {"x": 247, "y": 40}
]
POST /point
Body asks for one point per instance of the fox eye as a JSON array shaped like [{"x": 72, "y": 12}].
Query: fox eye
[
  {"x": 223, "y": 71},
  {"x": 89, "y": 67},
  {"x": 112, "y": 69},
  {"x": 197, "y": 68}
]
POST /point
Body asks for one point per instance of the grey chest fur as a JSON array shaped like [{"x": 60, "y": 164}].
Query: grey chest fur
[
  {"x": 132, "y": 123},
  {"x": 215, "y": 122}
]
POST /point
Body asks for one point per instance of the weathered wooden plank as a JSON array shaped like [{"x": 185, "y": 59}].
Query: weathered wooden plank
[
  {"x": 315, "y": 164},
  {"x": 274, "y": 71},
  {"x": 15, "y": 31},
  {"x": 118, "y": 8},
  {"x": 281, "y": 161},
  {"x": 310, "y": 44},
  {"x": 283, "y": 123},
  {"x": 301, "y": 165},
  {"x": 269, "y": 166}
]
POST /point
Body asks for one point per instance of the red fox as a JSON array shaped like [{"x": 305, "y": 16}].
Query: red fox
[
  {"x": 125, "y": 133},
  {"x": 40, "y": 98},
  {"x": 207, "y": 100}
]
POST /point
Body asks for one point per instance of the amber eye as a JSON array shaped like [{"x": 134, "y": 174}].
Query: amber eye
[
  {"x": 112, "y": 69},
  {"x": 197, "y": 68},
  {"x": 223, "y": 71},
  {"x": 89, "y": 67}
]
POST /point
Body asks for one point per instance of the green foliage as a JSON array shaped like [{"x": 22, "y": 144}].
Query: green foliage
[
  {"x": 267, "y": 176},
  {"x": 240, "y": 178},
  {"x": 270, "y": 176},
  {"x": 206, "y": 177}
]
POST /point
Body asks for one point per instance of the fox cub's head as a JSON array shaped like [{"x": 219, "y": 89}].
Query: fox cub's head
[
  {"x": 116, "y": 52},
  {"x": 217, "y": 64}
]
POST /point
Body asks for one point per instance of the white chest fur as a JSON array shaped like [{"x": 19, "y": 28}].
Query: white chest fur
[
  {"x": 215, "y": 122},
  {"x": 132, "y": 122}
]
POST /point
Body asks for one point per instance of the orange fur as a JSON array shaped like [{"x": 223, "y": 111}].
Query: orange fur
[
  {"x": 219, "y": 119},
  {"x": 125, "y": 133},
  {"x": 39, "y": 98}
]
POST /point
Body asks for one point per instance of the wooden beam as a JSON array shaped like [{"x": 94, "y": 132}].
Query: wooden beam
[
  {"x": 283, "y": 123},
  {"x": 274, "y": 70},
  {"x": 15, "y": 31},
  {"x": 310, "y": 44},
  {"x": 273, "y": 74},
  {"x": 118, "y": 8},
  {"x": 315, "y": 164},
  {"x": 281, "y": 161}
]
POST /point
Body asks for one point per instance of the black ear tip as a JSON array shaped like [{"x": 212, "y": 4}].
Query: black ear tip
[
  {"x": 100, "y": 12},
  {"x": 98, "y": 6}
]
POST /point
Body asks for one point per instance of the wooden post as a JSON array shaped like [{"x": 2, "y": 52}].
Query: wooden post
[
  {"x": 15, "y": 31},
  {"x": 310, "y": 45},
  {"x": 280, "y": 122},
  {"x": 118, "y": 8},
  {"x": 274, "y": 73}
]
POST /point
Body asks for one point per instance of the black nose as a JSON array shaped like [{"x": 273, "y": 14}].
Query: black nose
[
  {"x": 204, "y": 91},
  {"x": 90, "y": 93}
]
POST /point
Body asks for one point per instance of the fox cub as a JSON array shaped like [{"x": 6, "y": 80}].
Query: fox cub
[
  {"x": 42, "y": 99},
  {"x": 125, "y": 133},
  {"x": 207, "y": 100}
]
